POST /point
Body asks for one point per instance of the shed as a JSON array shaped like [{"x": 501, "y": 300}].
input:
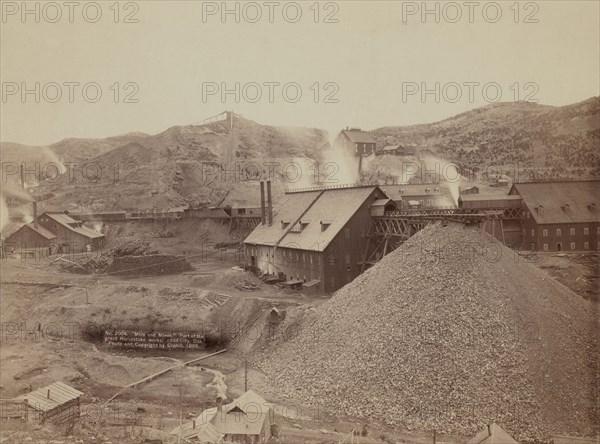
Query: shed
[
  {"x": 57, "y": 403},
  {"x": 381, "y": 206}
]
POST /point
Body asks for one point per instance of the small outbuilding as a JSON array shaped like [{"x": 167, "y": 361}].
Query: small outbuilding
[
  {"x": 246, "y": 420},
  {"x": 57, "y": 403}
]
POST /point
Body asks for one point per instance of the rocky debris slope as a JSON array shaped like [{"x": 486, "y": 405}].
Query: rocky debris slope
[{"x": 451, "y": 331}]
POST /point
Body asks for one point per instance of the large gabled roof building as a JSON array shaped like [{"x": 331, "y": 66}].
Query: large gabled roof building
[
  {"x": 560, "y": 216},
  {"x": 318, "y": 236}
]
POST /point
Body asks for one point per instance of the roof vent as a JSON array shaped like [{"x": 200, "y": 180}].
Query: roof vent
[{"x": 325, "y": 224}]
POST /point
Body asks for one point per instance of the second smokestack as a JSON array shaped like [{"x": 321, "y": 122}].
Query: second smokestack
[
  {"x": 269, "y": 203},
  {"x": 263, "y": 214}
]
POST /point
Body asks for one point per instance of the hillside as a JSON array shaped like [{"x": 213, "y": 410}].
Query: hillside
[
  {"x": 202, "y": 164},
  {"x": 184, "y": 164},
  {"x": 465, "y": 336},
  {"x": 555, "y": 140}
]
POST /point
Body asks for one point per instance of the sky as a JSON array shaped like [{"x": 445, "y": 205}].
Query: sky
[{"x": 106, "y": 68}]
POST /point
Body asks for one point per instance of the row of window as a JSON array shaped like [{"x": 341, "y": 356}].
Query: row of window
[
  {"x": 427, "y": 190},
  {"x": 294, "y": 255},
  {"x": 572, "y": 232},
  {"x": 559, "y": 246}
]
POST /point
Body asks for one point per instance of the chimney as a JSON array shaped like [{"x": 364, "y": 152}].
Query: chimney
[
  {"x": 489, "y": 430},
  {"x": 269, "y": 203},
  {"x": 48, "y": 395},
  {"x": 262, "y": 203},
  {"x": 219, "y": 405},
  {"x": 194, "y": 424},
  {"x": 22, "y": 177},
  {"x": 35, "y": 215}
]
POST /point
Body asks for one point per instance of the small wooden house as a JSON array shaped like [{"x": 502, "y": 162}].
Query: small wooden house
[
  {"x": 246, "y": 420},
  {"x": 57, "y": 403}
]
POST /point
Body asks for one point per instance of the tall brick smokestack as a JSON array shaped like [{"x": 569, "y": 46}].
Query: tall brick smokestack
[
  {"x": 35, "y": 216},
  {"x": 269, "y": 203},
  {"x": 22, "y": 176},
  {"x": 263, "y": 214}
]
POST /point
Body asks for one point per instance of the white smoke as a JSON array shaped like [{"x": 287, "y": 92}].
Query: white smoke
[
  {"x": 453, "y": 180},
  {"x": 436, "y": 170},
  {"x": 339, "y": 166},
  {"x": 3, "y": 213}
]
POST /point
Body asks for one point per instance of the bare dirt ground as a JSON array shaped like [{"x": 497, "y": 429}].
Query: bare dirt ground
[
  {"x": 580, "y": 272},
  {"x": 38, "y": 292}
]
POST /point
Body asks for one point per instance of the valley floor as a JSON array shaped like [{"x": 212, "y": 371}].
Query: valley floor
[{"x": 63, "y": 304}]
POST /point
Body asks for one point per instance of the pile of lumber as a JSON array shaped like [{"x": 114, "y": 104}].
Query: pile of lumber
[{"x": 246, "y": 285}]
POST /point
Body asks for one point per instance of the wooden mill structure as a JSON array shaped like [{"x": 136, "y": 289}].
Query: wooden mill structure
[{"x": 393, "y": 228}]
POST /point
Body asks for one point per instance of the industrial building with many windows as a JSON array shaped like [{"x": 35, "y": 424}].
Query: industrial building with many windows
[
  {"x": 317, "y": 238},
  {"x": 560, "y": 216}
]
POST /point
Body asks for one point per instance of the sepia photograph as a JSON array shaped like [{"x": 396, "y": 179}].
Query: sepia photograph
[{"x": 300, "y": 222}]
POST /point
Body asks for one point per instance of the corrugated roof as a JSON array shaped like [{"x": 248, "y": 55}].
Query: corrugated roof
[
  {"x": 72, "y": 224},
  {"x": 359, "y": 136},
  {"x": 60, "y": 393},
  {"x": 552, "y": 196},
  {"x": 496, "y": 435},
  {"x": 305, "y": 211}
]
